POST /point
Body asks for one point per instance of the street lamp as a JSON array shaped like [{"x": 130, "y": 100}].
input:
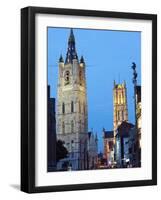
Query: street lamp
[{"x": 135, "y": 84}]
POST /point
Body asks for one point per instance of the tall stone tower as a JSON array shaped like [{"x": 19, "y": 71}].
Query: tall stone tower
[
  {"x": 72, "y": 115},
  {"x": 120, "y": 112}
]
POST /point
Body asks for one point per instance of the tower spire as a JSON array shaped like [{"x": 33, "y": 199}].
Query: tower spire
[
  {"x": 71, "y": 37},
  {"x": 71, "y": 50}
]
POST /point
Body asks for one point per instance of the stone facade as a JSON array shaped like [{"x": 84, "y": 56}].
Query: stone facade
[
  {"x": 92, "y": 150},
  {"x": 72, "y": 115}
]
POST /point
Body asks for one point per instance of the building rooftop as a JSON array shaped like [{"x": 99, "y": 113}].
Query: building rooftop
[
  {"x": 108, "y": 134},
  {"x": 124, "y": 128}
]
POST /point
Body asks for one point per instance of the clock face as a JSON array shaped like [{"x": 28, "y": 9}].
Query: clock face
[{"x": 67, "y": 77}]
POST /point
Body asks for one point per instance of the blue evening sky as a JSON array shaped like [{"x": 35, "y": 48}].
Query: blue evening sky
[{"x": 108, "y": 56}]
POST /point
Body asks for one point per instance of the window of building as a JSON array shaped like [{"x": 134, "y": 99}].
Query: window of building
[
  {"x": 63, "y": 108},
  {"x": 72, "y": 126},
  {"x": 119, "y": 98},
  {"x": 118, "y": 116},
  {"x": 63, "y": 127},
  {"x": 130, "y": 150},
  {"x": 122, "y": 115},
  {"x": 80, "y": 77},
  {"x": 72, "y": 107}
]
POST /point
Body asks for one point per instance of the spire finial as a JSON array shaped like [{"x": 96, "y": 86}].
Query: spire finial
[
  {"x": 124, "y": 83},
  {"x": 71, "y": 31},
  {"x": 61, "y": 58},
  {"x": 81, "y": 59},
  {"x": 71, "y": 37},
  {"x": 71, "y": 51}
]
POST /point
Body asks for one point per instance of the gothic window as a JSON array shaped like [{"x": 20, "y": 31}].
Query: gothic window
[
  {"x": 119, "y": 98},
  {"x": 72, "y": 126},
  {"x": 63, "y": 127},
  {"x": 63, "y": 108},
  {"x": 123, "y": 97},
  {"x": 80, "y": 77},
  {"x": 118, "y": 116},
  {"x": 72, "y": 107},
  {"x": 122, "y": 115}
]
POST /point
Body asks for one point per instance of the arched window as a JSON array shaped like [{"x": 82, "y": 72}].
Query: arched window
[
  {"x": 118, "y": 115},
  {"x": 63, "y": 108},
  {"x": 120, "y": 99},
  {"x": 72, "y": 107},
  {"x": 80, "y": 77},
  {"x": 63, "y": 127},
  {"x": 72, "y": 126}
]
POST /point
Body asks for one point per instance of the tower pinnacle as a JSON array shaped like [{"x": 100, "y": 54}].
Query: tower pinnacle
[
  {"x": 81, "y": 59},
  {"x": 71, "y": 50},
  {"x": 61, "y": 58}
]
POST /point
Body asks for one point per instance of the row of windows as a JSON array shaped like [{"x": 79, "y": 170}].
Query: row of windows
[
  {"x": 72, "y": 126},
  {"x": 72, "y": 107}
]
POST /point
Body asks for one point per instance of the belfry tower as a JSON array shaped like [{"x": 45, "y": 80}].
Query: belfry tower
[
  {"x": 120, "y": 112},
  {"x": 72, "y": 115}
]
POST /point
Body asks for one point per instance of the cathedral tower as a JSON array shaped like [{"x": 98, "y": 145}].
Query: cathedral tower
[
  {"x": 72, "y": 115},
  {"x": 120, "y": 105}
]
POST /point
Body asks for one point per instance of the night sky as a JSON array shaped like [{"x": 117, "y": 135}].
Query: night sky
[{"x": 108, "y": 56}]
